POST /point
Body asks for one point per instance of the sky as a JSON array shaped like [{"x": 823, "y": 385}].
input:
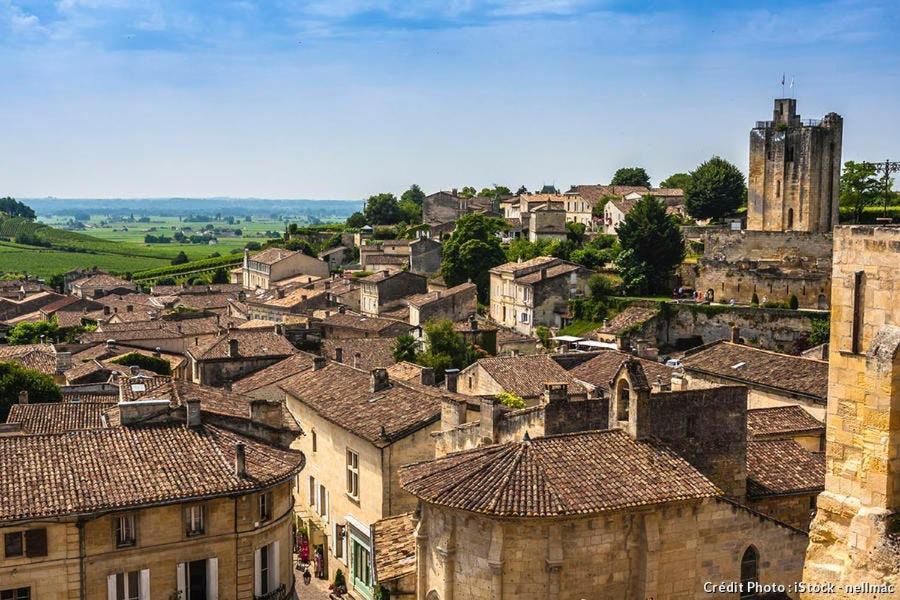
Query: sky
[{"x": 341, "y": 99}]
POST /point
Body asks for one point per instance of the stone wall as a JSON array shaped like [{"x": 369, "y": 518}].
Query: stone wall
[
  {"x": 773, "y": 282},
  {"x": 795, "y": 510},
  {"x": 768, "y": 245}
]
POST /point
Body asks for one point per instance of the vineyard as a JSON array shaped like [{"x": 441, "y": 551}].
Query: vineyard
[{"x": 193, "y": 267}]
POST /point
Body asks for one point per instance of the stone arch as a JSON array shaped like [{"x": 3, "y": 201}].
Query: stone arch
[
  {"x": 432, "y": 595},
  {"x": 822, "y": 302},
  {"x": 710, "y": 295},
  {"x": 623, "y": 399},
  {"x": 749, "y": 571}
]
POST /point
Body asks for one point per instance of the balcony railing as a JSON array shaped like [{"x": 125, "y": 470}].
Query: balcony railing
[{"x": 279, "y": 593}]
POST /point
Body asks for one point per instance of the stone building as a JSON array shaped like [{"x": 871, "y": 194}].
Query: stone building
[
  {"x": 788, "y": 422},
  {"x": 854, "y": 536},
  {"x": 773, "y": 379},
  {"x": 456, "y": 304},
  {"x": 526, "y": 295},
  {"x": 359, "y": 428},
  {"x": 547, "y": 222},
  {"x": 101, "y": 284},
  {"x": 795, "y": 170},
  {"x": 386, "y": 290},
  {"x": 146, "y": 499},
  {"x": 422, "y": 255},
  {"x": 441, "y": 210},
  {"x": 264, "y": 269},
  {"x": 343, "y": 324},
  {"x": 285, "y": 304},
  {"x": 522, "y": 376},
  {"x": 235, "y": 354}
]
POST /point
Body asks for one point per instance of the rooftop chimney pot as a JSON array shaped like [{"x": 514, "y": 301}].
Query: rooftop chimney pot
[
  {"x": 379, "y": 380},
  {"x": 240, "y": 461}
]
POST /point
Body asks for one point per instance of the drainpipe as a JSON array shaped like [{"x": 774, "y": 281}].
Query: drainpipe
[{"x": 81, "y": 552}]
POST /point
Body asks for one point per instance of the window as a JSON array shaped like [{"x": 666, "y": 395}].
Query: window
[
  {"x": 352, "y": 474},
  {"x": 859, "y": 299},
  {"x": 125, "y": 531},
  {"x": 264, "y": 569},
  {"x": 314, "y": 441},
  {"x": 623, "y": 399},
  {"x": 312, "y": 490},
  {"x": 16, "y": 594},
  {"x": 265, "y": 506},
  {"x": 14, "y": 544},
  {"x": 196, "y": 580},
  {"x": 323, "y": 501},
  {"x": 340, "y": 532},
  {"x": 266, "y": 579},
  {"x": 749, "y": 572},
  {"x": 789, "y": 155},
  {"x": 524, "y": 317},
  {"x": 131, "y": 585},
  {"x": 194, "y": 520}
]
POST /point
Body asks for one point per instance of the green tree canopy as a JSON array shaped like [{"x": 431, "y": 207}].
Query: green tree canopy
[
  {"x": 15, "y": 378},
  {"x": 652, "y": 246},
  {"x": 301, "y": 245},
  {"x": 467, "y": 192},
  {"x": 859, "y": 187},
  {"x": 446, "y": 349},
  {"x": 148, "y": 363},
  {"x": 382, "y": 209},
  {"x": 495, "y": 192},
  {"x": 716, "y": 189},
  {"x": 30, "y": 333},
  {"x": 676, "y": 180},
  {"x": 220, "y": 276},
  {"x": 414, "y": 194},
  {"x": 631, "y": 176},
  {"x": 404, "y": 348},
  {"x": 410, "y": 212},
  {"x": 180, "y": 259},
  {"x": 472, "y": 250},
  {"x": 14, "y": 208},
  {"x": 356, "y": 220}
]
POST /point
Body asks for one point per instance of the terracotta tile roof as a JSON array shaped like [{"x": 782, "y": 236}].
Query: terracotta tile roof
[
  {"x": 632, "y": 316},
  {"x": 252, "y": 343},
  {"x": 30, "y": 317},
  {"x": 525, "y": 376},
  {"x": 57, "y": 416},
  {"x": 779, "y": 467},
  {"x": 512, "y": 267},
  {"x": 270, "y": 256},
  {"x": 257, "y": 324},
  {"x": 73, "y": 395},
  {"x": 429, "y": 297},
  {"x": 342, "y": 395},
  {"x": 600, "y": 370},
  {"x": 85, "y": 369},
  {"x": 205, "y": 301},
  {"x": 782, "y": 420},
  {"x": 386, "y": 259},
  {"x": 291, "y": 299},
  {"x": 374, "y": 352},
  {"x": 553, "y": 271},
  {"x": 38, "y": 357},
  {"x": 595, "y": 193},
  {"x": 507, "y": 336},
  {"x": 397, "y": 311},
  {"x": 395, "y": 547},
  {"x": 273, "y": 374},
  {"x": 581, "y": 473},
  {"x": 405, "y": 371},
  {"x": 77, "y": 472},
  {"x": 753, "y": 366},
  {"x": 379, "y": 276},
  {"x": 102, "y": 280},
  {"x": 178, "y": 290},
  {"x": 360, "y": 322}
]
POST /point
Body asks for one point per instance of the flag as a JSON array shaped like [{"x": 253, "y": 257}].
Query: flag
[{"x": 782, "y": 79}]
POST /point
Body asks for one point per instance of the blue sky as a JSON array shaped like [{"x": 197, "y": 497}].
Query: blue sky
[{"x": 344, "y": 98}]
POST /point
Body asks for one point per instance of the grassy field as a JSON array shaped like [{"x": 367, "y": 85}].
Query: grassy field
[{"x": 44, "y": 262}]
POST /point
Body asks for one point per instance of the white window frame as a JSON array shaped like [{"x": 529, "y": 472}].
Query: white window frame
[
  {"x": 196, "y": 520},
  {"x": 353, "y": 474},
  {"x": 126, "y": 524},
  {"x": 143, "y": 591}
]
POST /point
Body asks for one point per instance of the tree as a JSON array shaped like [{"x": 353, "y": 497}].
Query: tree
[
  {"x": 220, "y": 276},
  {"x": 575, "y": 232},
  {"x": 652, "y": 246},
  {"x": 495, "y": 192},
  {"x": 522, "y": 190},
  {"x": 445, "y": 348},
  {"x": 544, "y": 335},
  {"x": 14, "y": 208},
  {"x": 676, "y": 180},
  {"x": 382, "y": 209},
  {"x": 510, "y": 400},
  {"x": 631, "y": 176},
  {"x": 467, "y": 192},
  {"x": 404, "y": 348},
  {"x": 820, "y": 332},
  {"x": 716, "y": 189},
  {"x": 414, "y": 194},
  {"x": 301, "y": 245},
  {"x": 356, "y": 220},
  {"x": 472, "y": 250},
  {"x": 859, "y": 187},
  {"x": 410, "y": 212},
  {"x": 180, "y": 259},
  {"x": 14, "y": 378},
  {"x": 30, "y": 333},
  {"x": 159, "y": 366}
]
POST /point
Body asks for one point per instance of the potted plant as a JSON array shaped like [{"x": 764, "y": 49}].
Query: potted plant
[{"x": 339, "y": 586}]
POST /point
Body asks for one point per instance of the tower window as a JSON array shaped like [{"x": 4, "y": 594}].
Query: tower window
[
  {"x": 789, "y": 155},
  {"x": 859, "y": 299},
  {"x": 749, "y": 572}
]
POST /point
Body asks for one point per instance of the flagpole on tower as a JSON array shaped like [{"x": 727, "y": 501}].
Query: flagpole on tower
[{"x": 782, "y": 85}]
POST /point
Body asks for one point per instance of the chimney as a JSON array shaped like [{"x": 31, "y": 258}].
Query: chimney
[
  {"x": 473, "y": 323},
  {"x": 426, "y": 376},
  {"x": 679, "y": 381},
  {"x": 134, "y": 370},
  {"x": 454, "y": 191},
  {"x": 23, "y": 397},
  {"x": 543, "y": 272},
  {"x": 240, "y": 461},
  {"x": 735, "y": 334},
  {"x": 451, "y": 376},
  {"x": 226, "y": 385},
  {"x": 385, "y": 272},
  {"x": 157, "y": 352},
  {"x": 555, "y": 392},
  {"x": 279, "y": 292},
  {"x": 110, "y": 345},
  {"x": 491, "y": 409},
  {"x": 63, "y": 361},
  {"x": 659, "y": 386},
  {"x": 233, "y": 351},
  {"x": 342, "y": 309},
  {"x": 129, "y": 308},
  {"x": 379, "y": 380},
  {"x": 266, "y": 412},
  {"x": 106, "y": 310},
  {"x": 43, "y": 339},
  {"x": 357, "y": 357},
  {"x": 178, "y": 328},
  {"x": 453, "y": 413},
  {"x": 319, "y": 363},
  {"x": 339, "y": 354},
  {"x": 192, "y": 412}
]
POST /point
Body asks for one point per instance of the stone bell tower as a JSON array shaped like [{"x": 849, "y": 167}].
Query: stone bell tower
[
  {"x": 855, "y": 536},
  {"x": 795, "y": 170}
]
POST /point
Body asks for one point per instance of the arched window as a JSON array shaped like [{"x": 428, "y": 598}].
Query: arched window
[
  {"x": 623, "y": 399},
  {"x": 749, "y": 572},
  {"x": 790, "y": 218},
  {"x": 432, "y": 595}
]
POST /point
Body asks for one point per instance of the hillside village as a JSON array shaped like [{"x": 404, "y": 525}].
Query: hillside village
[{"x": 492, "y": 403}]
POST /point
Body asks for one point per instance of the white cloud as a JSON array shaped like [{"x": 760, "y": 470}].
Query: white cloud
[{"x": 17, "y": 19}]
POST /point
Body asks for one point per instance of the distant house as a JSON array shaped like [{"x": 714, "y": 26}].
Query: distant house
[
  {"x": 266, "y": 268},
  {"x": 523, "y": 376},
  {"x": 441, "y": 210},
  {"x": 345, "y": 325},
  {"x": 383, "y": 290},
  {"x": 335, "y": 257},
  {"x": 421, "y": 255},
  {"x": 455, "y": 304},
  {"x": 101, "y": 284},
  {"x": 235, "y": 354},
  {"x": 281, "y": 305},
  {"x": 548, "y": 222}
]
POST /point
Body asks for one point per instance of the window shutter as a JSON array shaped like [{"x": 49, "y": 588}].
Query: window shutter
[
  {"x": 36, "y": 542},
  {"x": 144, "y": 590},
  {"x": 257, "y": 579},
  {"x": 111, "y": 587},
  {"x": 212, "y": 579},
  {"x": 274, "y": 567},
  {"x": 181, "y": 579}
]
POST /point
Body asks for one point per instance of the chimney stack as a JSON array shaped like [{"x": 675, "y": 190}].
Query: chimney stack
[
  {"x": 342, "y": 309},
  {"x": 134, "y": 370},
  {"x": 319, "y": 363},
  {"x": 23, "y": 397},
  {"x": 129, "y": 308},
  {"x": 157, "y": 352},
  {"x": 451, "y": 376},
  {"x": 240, "y": 461},
  {"x": 555, "y": 392},
  {"x": 339, "y": 354},
  {"x": 233, "y": 351},
  {"x": 679, "y": 381},
  {"x": 110, "y": 345},
  {"x": 226, "y": 385},
  {"x": 193, "y": 412},
  {"x": 266, "y": 412},
  {"x": 491, "y": 408},
  {"x": 357, "y": 358},
  {"x": 279, "y": 292},
  {"x": 543, "y": 272},
  {"x": 735, "y": 334},
  {"x": 106, "y": 310},
  {"x": 426, "y": 376},
  {"x": 379, "y": 380},
  {"x": 473, "y": 323}
]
